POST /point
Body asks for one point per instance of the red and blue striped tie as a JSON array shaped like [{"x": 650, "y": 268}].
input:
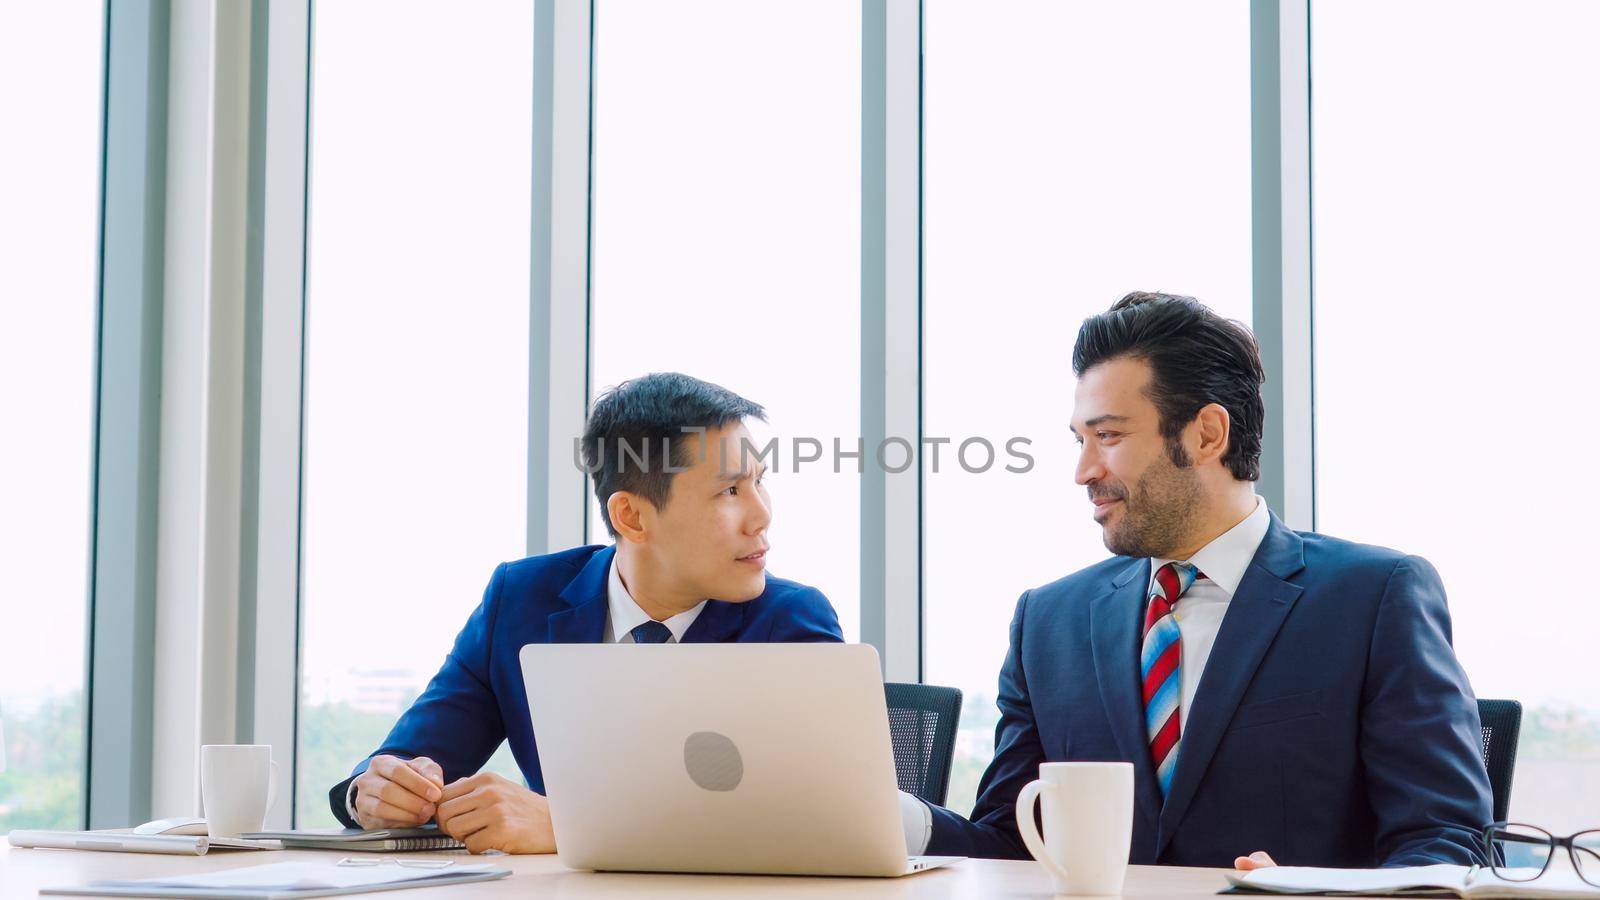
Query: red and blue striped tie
[{"x": 1161, "y": 668}]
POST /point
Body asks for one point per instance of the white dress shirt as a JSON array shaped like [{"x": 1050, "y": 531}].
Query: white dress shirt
[
  {"x": 623, "y": 615},
  {"x": 1199, "y": 612},
  {"x": 1198, "y": 615}
]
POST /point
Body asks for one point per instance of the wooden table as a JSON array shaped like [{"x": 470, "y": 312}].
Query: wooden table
[{"x": 24, "y": 872}]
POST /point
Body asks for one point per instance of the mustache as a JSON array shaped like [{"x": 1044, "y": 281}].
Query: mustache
[{"x": 1107, "y": 492}]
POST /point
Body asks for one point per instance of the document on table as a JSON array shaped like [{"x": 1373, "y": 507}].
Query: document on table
[
  {"x": 1461, "y": 881},
  {"x": 287, "y": 880},
  {"x": 127, "y": 842}
]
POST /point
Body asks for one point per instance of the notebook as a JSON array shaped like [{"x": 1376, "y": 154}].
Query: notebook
[
  {"x": 286, "y": 881},
  {"x": 381, "y": 840},
  {"x": 1461, "y": 881}
]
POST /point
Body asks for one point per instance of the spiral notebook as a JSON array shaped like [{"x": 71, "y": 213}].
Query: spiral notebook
[{"x": 381, "y": 840}]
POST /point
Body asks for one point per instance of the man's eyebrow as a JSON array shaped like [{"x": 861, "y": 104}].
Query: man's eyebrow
[
  {"x": 729, "y": 477},
  {"x": 1097, "y": 421}
]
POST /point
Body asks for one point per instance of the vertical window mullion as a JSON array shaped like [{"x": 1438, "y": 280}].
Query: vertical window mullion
[
  {"x": 269, "y": 620},
  {"x": 558, "y": 320},
  {"x": 891, "y": 339},
  {"x": 128, "y": 415},
  {"x": 1280, "y": 122}
]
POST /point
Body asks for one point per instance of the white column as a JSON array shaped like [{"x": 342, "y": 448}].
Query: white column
[{"x": 197, "y": 567}]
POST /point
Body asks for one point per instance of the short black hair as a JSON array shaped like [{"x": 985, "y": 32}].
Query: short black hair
[
  {"x": 661, "y": 410},
  {"x": 1196, "y": 358}
]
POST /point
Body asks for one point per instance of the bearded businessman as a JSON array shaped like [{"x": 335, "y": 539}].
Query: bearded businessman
[
  {"x": 687, "y": 509},
  {"x": 1281, "y": 694}
]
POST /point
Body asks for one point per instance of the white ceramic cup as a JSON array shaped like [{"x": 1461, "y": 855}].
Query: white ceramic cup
[
  {"x": 1088, "y": 824},
  {"x": 238, "y": 783}
]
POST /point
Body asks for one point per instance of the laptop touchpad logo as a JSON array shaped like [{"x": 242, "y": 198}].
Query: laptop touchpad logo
[{"x": 712, "y": 761}]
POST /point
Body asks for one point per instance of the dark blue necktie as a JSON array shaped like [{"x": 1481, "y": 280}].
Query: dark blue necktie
[{"x": 651, "y": 633}]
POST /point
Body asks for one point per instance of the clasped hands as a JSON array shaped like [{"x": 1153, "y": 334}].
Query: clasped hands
[{"x": 484, "y": 811}]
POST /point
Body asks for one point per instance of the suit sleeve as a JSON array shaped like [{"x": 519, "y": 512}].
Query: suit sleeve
[
  {"x": 992, "y": 830},
  {"x": 1420, "y": 736},
  {"x": 456, "y": 722},
  {"x": 810, "y": 619}
]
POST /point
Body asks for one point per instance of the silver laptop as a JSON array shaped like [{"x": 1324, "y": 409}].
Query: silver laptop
[{"x": 768, "y": 759}]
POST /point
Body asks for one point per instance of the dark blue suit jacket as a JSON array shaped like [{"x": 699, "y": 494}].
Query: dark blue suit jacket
[
  {"x": 1332, "y": 726},
  {"x": 477, "y": 700}
]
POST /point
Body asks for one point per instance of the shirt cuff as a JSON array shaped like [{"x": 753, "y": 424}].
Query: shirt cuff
[
  {"x": 917, "y": 820},
  {"x": 350, "y": 803}
]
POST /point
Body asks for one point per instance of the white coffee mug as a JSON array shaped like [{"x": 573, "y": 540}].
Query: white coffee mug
[
  {"x": 1088, "y": 824},
  {"x": 238, "y": 783}
]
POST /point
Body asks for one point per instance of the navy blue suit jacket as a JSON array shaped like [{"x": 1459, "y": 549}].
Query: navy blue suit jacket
[
  {"x": 1332, "y": 726},
  {"x": 477, "y": 700}
]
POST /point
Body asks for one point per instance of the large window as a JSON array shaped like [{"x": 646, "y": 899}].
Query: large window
[
  {"x": 1455, "y": 187},
  {"x": 727, "y": 223},
  {"x": 50, "y": 78},
  {"x": 1073, "y": 152},
  {"x": 415, "y": 480}
]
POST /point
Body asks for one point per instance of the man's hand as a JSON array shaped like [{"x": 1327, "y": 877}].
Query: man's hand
[
  {"x": 398, "y": 793},
  {"x": 487, "y": 812},
  {"x": 1256, "y": 860}
]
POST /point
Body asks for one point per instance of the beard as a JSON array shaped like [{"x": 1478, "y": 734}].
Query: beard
[{"x": 1158, "y": 514}]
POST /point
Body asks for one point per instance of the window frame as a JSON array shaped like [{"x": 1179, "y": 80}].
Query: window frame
[{"x": 259, "y": 702}]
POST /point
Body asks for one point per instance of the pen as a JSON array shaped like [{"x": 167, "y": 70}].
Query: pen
[{"x": 1472, "y": 873}]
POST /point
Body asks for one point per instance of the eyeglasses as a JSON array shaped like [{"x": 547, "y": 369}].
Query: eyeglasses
[
  {"x": 365, "y": 861},
  {"x": 1522, "y": 852}
]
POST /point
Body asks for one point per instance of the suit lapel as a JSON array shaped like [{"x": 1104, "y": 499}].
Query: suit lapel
[
  {"x": 585, "y": 621},
  {"x": 717, "y": 622},
  {"x": 1255, "y": 614},
  {"x": 1114, "y": 619}
]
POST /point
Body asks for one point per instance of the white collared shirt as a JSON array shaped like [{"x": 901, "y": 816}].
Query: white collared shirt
[
  {"x": 1199, "y": 611},
  {"x": 623, "y": 614}
]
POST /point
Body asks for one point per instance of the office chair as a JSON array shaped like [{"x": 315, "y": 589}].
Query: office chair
[
  {"x": 922, "y": 729},
  {"x": 1502, "y": 722}
]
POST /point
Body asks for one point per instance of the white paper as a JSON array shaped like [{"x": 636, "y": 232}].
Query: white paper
[
  {"x": 300, "y": 876},
  {"x": 1485, "y": 885},
  {"x": 1558, "y": 881},
  {"x": 1308, "y": 880}
]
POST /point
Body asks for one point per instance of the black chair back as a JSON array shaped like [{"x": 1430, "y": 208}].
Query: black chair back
[
  {"x": 922, "y": 729},
  {"x": 1502, "y": 722}
]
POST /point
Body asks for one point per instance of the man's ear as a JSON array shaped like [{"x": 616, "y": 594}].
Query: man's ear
[
  {"x": 1211, "y": 428},
  {"x": 627, "y": 512}
]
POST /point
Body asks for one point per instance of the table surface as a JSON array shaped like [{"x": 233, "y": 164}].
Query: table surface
[{"x": 23, "y": 872}]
